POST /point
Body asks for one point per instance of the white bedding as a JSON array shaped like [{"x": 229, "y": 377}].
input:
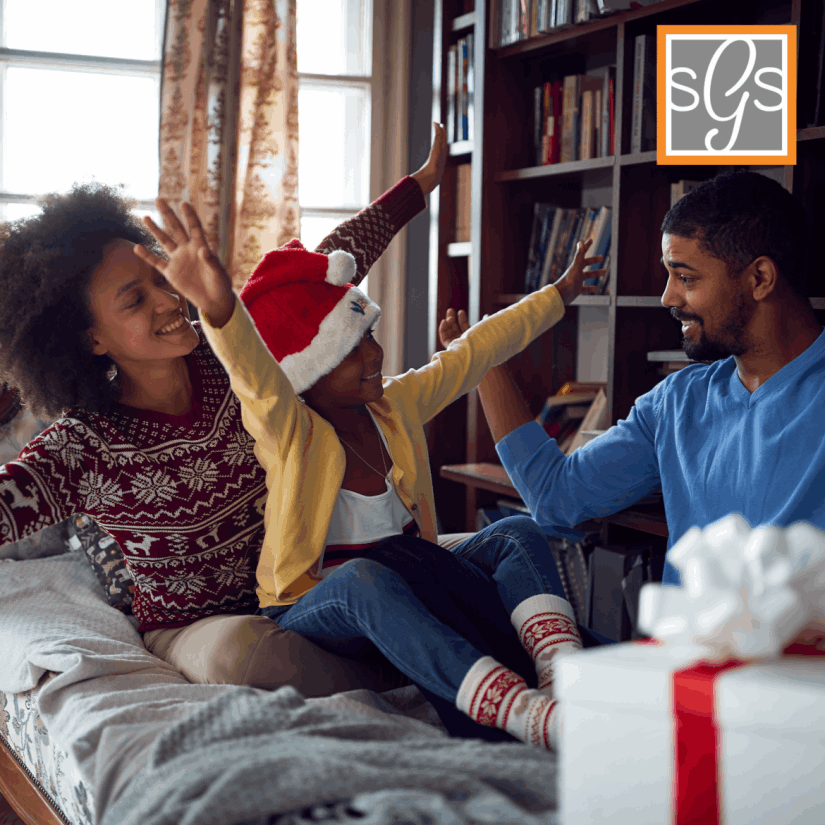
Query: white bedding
[{"x": 111, "y": 698}]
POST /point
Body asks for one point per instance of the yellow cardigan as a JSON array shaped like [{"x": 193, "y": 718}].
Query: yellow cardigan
[{"x": 302, "y": 456}]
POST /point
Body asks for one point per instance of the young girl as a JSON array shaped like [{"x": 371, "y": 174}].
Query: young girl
[
  {"x": 346, "y": 463},
  {"x": 148, "y": 438}
]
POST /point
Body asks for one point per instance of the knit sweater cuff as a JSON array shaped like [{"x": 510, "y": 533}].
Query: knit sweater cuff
[{"x": 403, "y": 202}]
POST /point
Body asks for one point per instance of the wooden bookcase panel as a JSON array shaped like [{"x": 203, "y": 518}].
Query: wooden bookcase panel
[
  {"x": 639, "y": 330},
  {"x": 506, "y": 184}
]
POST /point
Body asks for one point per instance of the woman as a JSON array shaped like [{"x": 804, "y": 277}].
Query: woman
[{"x": 148, "y": 438}]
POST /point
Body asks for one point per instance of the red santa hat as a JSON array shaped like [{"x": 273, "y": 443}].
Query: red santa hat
[{"x": 306, "y": 310}]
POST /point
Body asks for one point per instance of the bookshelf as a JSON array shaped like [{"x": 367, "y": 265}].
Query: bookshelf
[{"x": 487, "y": 272}]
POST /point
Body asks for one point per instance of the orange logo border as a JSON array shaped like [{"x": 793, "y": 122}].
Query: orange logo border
[{"x": 664, "y": 159}]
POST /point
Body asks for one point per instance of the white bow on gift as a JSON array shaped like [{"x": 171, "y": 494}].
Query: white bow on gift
[{"x": 746, "y": 593}]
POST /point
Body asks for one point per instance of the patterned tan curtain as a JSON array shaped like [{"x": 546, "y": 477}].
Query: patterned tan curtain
[{"x": 229, "y": 123}]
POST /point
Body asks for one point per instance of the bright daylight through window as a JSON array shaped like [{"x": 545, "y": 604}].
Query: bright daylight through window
[
  {"x": 79, "y": 98},
  {"x": 335, "y": 70}
]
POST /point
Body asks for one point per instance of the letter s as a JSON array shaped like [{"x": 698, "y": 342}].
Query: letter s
[{"x": 684, "y": 89}]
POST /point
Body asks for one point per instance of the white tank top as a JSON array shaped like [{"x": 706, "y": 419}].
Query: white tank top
[{"x": 359, "y": 522}]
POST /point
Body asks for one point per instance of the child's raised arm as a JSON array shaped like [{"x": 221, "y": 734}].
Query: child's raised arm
[
  {"x": 193, "y": 269},
  {"x": 366, "y": 235}
]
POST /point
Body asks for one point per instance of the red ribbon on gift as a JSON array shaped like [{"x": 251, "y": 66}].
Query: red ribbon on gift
[{"x": 696, "y": 772}]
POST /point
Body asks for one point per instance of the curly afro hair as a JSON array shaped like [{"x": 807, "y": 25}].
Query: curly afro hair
[
  {"x": 739, "y": 216},
  {"x": 46, "y": 263}
]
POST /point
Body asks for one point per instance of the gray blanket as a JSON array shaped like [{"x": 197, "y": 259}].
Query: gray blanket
[{"x": 254, "y": 758}]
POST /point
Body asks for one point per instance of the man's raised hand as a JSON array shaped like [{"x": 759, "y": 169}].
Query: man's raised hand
[
  {"x": 452, "y": 327},
  {"x": 192, "y": 269}
]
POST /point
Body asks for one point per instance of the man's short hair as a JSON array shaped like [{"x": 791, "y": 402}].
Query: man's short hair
[{"x": 740, "y": 216}]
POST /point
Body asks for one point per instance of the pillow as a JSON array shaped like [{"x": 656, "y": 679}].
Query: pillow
[
  {"x": 17, "y": 427},
  {"x": 104, "y": 554}
]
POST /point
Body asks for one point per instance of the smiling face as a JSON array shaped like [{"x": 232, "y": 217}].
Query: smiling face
[
  {"x": 355, "y": 381},
  {"x": 139, "y": 320},
  {"x": 715, "y": 308}
]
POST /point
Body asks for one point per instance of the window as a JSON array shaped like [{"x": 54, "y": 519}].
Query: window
[
  {"x": 334, "y": 105},
  {"x": 79, "y": 98}
]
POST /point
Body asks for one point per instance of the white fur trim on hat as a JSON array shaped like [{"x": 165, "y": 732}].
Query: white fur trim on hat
[
  {"x": 341, "y": 267},
  {"x": 338, "y": 334}
]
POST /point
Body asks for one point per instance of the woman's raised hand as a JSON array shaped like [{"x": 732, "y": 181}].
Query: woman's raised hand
[
  {"x": 430, "y": 174},
  {"x": 193, "y": 269}
]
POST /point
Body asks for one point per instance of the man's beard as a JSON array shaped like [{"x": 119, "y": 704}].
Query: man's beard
[{"x": 732, "y": 339}]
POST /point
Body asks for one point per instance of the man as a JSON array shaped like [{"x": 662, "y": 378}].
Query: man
[{"x": 742, "y": 434}]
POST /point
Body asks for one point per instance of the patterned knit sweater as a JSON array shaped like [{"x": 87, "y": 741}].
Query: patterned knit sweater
[{"x": 182, "y": 495}]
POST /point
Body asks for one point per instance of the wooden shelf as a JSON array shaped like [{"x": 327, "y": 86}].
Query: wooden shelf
[
  {"x": 546, "y": 41},
  {"x": 507, "y": 298},
  {"x": 552, "y": 169},
  {"x": 483, "y": 476},
  {"x": 811, "y": 133},
  {"x": 647, "y": 516},
  {"x": 464, "y": 22},
  {"x": 461, "y": 147},
  {"x": 459, "y": 249}
]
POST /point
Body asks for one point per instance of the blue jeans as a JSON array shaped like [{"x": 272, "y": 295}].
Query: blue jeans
[
  {"x": 364, "y": 603},
  {"x": 515, "y": 555}
]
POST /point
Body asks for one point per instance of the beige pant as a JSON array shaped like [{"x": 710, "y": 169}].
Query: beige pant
[{"x": 253, "y": 650}]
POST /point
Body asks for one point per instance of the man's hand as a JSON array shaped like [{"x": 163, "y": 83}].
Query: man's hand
[
  {"x": 192, "y": 269},
  {"x": 571, "y": 283},
  {"x": 430, "y": 174},
  {"x": 452, "y": 327}
]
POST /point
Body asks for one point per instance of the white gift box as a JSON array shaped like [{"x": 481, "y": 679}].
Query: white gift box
[{"x": 617, "y": 757}]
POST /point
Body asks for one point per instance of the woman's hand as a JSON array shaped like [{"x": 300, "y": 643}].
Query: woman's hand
[
  {"x": 430, "y": 174},
  {"x": 571, "y": 283},
  {"x": 452, "y": 327},
  {"x": 192, "y": 269}
]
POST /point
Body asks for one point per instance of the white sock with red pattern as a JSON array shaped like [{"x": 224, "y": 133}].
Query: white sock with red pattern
[
  {"x": 494, "y": 696},
  {"x": 546, "y": 627}
]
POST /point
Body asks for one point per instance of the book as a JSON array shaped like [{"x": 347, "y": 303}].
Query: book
[
  {"x": 588, "y": 86},
  {"x": 605, "y": 112},
  {"x": 561, "y": 415},
  {"x": 559, "y": 250},
  {"x": 461, "y": 84},
  {"x": 452, "y": 73},
  {"x": 570, "y": 118},
  {"x": 681, "y": 188},
  {"x": 612, "y": 109},
  {"x": 538, "y": 126},
  {"x": 643, "y": 118},
  {"x": 534, "y": 255},
  {"x": 595, "y": 419},
  {"x": 553, "y": 94},
  {"x": 550, "y": 245},
  {"x": 564, "y": 13},
  {"x": 600, "y": 233},
  {"x": 463, "y": 206},
  {"x": 470, "y": 97},
  {"x": 582, "y": 387}
]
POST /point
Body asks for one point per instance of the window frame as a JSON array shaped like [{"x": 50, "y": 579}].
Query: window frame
[
  {"x": 310, "y": 80},
  {"x": 82, "y": 63}
]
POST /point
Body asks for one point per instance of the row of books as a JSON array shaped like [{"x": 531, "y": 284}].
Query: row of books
[
  {"x": 574, "y": 413},
  {"x": 516, "y": 20},
  {"x": 574, "y": 118},
  {"x": 553, "y": 238},
  {"x": 643, "y": 111},
  {"x": 460, "y": 85}
]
